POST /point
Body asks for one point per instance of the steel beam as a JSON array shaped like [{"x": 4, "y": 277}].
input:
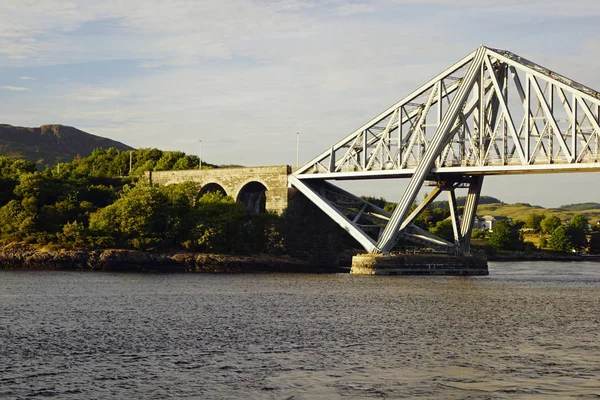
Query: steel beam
[
  {"x": 368, "y": 243},
  {"x": 440, "y": 139},
  {"x": 468, "y": 218}
]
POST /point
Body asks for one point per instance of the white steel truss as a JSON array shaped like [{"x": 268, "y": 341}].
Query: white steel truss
[{"x": 493, "y": 112}]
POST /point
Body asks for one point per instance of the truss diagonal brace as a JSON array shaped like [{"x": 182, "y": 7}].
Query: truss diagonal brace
[
  {"x": 338, "y": 217},
  {"x": 426, "y": 201},
  {"x": 440, "y": 140}
]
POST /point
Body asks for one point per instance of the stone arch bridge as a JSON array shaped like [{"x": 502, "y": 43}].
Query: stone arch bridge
[
  {"x": 260, "y": 189},
  {"x": 310, "y": 234}
]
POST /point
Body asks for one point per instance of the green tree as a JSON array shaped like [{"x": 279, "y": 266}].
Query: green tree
[
  {"x": 380, "y": 202},
  {"x": 187, "y": 162},
  {"x": 16, "y": 221},
  {"x": 560, "y": 240},
  {"x": 506, "y": 236},
  {"x": 550, "y": 223},
  {"x": 444, "y": 230},
  {"x": 138, "y": 218},
  {"x": 479, "y": 234},
  {"x": 219, "y": 224},
  {"x": 533, "y": 222},
  {"x": 168, "y": 160},
  {"x": 578, "y": 221},
  {"x": 11, "y": 168}
]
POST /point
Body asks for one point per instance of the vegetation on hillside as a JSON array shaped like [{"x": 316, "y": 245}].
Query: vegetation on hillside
[
  {"x": 522, "y": 211},
  {"x": 580, "y": 206},
  {"x": 532, "y": 227},
  {"x": 97, "y": 201}
]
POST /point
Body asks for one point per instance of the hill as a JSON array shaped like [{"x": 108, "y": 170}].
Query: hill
[
  {"x": 521, "y": 211},
  {"x": 51, "y": 144},
  {"x": 580, "y": 206},
  {"x": 460, "y": 201}
]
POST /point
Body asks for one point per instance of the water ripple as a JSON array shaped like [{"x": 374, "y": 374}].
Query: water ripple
[{"x": 529, "y": 330}]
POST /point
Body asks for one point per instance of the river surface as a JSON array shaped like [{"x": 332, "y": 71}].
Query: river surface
[{"x": 530, "y": 330}]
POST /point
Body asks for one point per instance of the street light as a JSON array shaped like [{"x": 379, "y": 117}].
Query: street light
[
  {"x": 297, "y": 150},
  {"x": 200, "y": 156}
]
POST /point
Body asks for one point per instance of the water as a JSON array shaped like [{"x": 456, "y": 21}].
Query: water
[{"x": 530, "y": 330}]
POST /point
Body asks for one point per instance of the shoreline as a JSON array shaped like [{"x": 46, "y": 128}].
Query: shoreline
[
  {"x": 22, "y": 256},
  {"x": 19, "y": 256},
  {"x": 541, "y": 257}
]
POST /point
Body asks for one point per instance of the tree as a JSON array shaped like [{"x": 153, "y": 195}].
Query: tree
[
  {"x": 219, "y": 224},
  {"x": 138, "y": 218},
  {"x": 560, "y": 240},
  {"x": 550, "y": 223},
  {"x": 187, "y": 162},
  {"x": 11, "y": 168},
  {"x": 444, "y": 230},
  {"x": 506, "y": 236},
  {"x": 168, "y": 160},
  {"x": 533, "y": 222},
  {"x": 380, "y": 202},
  {"x": 578, "y": 221}
]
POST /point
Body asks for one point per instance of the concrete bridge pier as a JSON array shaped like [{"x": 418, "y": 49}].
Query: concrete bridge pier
[{"x": 418, "y": 264}]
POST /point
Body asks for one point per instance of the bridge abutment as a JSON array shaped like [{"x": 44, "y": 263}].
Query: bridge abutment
[{"x": 311, "y": 235}]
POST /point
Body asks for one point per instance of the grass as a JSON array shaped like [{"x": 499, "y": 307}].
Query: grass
[{"x": 521, "y": 211}]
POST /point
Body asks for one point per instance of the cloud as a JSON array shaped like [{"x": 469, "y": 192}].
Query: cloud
[
  {"x": 28, "y": 78},
  {"x": 92, "y": 94},
  {"x": 255, "y": 72},
  {"x": 14, "y": 88}
]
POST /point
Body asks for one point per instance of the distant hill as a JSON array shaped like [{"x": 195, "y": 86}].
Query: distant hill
[
  {"x": 520, "y": 211},
  {"x": 51, "y": 144},
  {"x": 460, "y": 201},
  {"x": 581, "y": 206}
]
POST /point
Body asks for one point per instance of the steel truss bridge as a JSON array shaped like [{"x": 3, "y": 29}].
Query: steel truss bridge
[{"x": 491, "y": 113}]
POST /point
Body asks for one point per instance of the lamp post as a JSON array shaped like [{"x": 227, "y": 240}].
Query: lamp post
[
  {"x": 297, "y": 150},
  {"x": 200, "y": 155}
]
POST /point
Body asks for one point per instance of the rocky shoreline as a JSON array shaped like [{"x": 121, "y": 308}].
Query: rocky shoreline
[{"x": 19, "y": 256}]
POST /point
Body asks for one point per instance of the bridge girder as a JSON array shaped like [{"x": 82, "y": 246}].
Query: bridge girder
[{"x": 493, "y": 112}]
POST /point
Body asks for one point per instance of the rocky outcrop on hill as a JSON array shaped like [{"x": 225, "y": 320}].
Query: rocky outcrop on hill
[
  {"x": 51, "y": 144},
  {"x": 24, "y": 256}
]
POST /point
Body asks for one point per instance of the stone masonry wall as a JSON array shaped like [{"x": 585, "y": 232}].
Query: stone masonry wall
[
  {"x": 274, "y": 178},
  {"x": 311, "y": 235}
]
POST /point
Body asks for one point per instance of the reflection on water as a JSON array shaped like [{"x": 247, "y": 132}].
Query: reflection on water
[{"x": 529, "y": 330}]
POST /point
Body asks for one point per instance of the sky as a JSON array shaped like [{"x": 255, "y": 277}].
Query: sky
[{"x": 247, "y": 77}]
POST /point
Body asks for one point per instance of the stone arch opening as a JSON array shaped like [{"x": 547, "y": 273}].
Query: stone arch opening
[
  {"x": 212, "y": 188},
  {"x": 253, "y": 196}
]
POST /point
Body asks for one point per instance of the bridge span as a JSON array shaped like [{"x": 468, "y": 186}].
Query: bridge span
[{"x": 491, "y": 113}]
